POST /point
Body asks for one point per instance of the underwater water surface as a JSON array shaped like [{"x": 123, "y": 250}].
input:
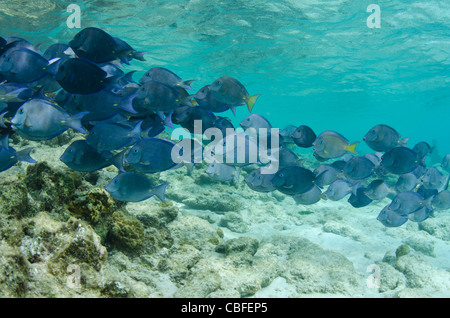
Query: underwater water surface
[{"x": 316, "y": 63}]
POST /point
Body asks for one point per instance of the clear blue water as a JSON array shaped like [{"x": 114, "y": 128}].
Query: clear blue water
[{"x": 315, "y": 62}]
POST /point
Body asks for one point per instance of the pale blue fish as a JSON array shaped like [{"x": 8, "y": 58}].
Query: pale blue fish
[
  {"x": 222, "y": 172},
  {"x": 446, "y": 163},
  {"x": 420, "y": 215},
  {"x": 383, "y": 138},
  {"x": 9, "y": 156},
  {"x": 408, "y": 202},
  {"x": 391, "y": 219},
  {"x": 326, "y": 174},
  {"x": 134, "y": 187},
  {"x": 339, "y": 189},
  {"x": 434, "y": 179},
  {"x": 378, "y": 189},
  {"x": 39, "y": 119},
  {"x": 260, "y": 182},
  {"x": 309, "y": 197},
  {"x": 441, "y": 201},
  {"x": 406, "y": 182}
]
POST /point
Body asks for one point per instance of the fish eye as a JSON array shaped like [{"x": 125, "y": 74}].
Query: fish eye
[
  {"x": 69, "y": 149},
  {"x": 281, "y": 175},
  {"x": 21, "y": 111},
  {"x": 135, "y": 151}
]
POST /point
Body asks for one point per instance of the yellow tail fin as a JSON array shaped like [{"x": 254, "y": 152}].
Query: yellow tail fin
[
  {"x": 351, "y": 147},
  {"x": 250, "y": 101}
]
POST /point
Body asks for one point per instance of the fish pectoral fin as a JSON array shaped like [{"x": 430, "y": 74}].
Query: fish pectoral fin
[{"x": 289, "y": 186}]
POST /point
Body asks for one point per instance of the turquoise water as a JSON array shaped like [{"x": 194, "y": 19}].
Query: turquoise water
[{"x": 314, "y": 62}]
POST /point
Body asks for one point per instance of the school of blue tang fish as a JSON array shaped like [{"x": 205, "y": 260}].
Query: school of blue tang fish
[{"x": 81, "y": 85}]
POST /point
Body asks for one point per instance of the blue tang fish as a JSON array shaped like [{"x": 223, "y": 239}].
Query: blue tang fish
[
  {"x": 9, "y": 156},
  {"x": 39, "y": 119},
  {"x": 134, "y": 187}
]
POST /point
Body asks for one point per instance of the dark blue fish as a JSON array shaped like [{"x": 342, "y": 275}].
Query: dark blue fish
[
  {"x": 206, "y": 100},
  {"x": 9, "y": 156},
  {"x": 151, "y": 155},
  {"x": 359, "y": 199},
  {"x": 25, "y": 66},
  {"x": 391, "y": 219},
  {"x": 309, "y": 197},
  {"x": 359, "y": 168},
  {"x": 426, "y": 193},
  {"x": 197, "y": 120},
  {"x": 157, "y": 96},
  {"x": 383, "y": 138},
  {"x": 224, "y": 123},
  {"x": 399, "y": 160},
  {"x": 58, "y": 50},
  {"x": 100, "y": 105},
  {"x": 107, "y": 137},
  {"x": 165, "y": 76},
  {"x": 293, "y": 180},
  {"x": 80, "y": 156},
  {"x": 133, "y": 187},
  {"x": 304, "y": 136},
  {"x": 80, "y": 76},
  {"x": 98, "y": 46},
  {"x": 39, "y": 119},
  {"x": 260, "y": 182}
]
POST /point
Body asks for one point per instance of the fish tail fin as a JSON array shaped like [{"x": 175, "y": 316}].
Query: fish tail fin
[
  {"x": 127, "y": 104},
  {"x": 187, "y": 85},
  {"x": 168, "y": 120},
  {"x": 53, "y": 65},
  {"x": 74, "y": 122},
  {"x": 139, "y": 55},
  {"x": 128, "y": 77},
  {"x": 352, "y": 147},
  {"x": 2, "y": 122},
  {"x": 24, "y": 155},
  {"x": 160, "y": 191},
  {"x": 136, "y": 131},
  {"x": 117, "y": 160},
  {"x": 403, "y": 141},
  {"x": 250, "y": 101}
]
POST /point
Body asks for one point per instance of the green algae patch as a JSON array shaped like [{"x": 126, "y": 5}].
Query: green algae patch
[{"x": 126, "y": 231}]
